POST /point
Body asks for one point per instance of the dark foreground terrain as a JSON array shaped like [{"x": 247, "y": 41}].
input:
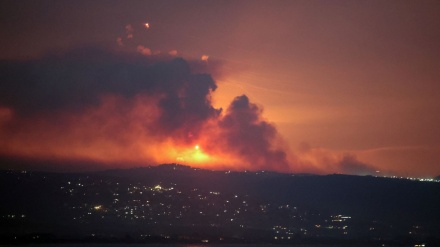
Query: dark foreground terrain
[{"x": 179, "y": 204}]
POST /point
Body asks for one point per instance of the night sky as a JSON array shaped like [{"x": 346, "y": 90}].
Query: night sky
[{"x": 292, "y": 86}]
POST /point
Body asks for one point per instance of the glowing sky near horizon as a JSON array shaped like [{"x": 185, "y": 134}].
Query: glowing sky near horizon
[{"x": 360, "y": 78}]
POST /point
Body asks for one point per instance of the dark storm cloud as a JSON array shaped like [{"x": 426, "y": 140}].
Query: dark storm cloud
[
  {"x": 75, "y": 80},
  {"x": 250, "y": 136}
]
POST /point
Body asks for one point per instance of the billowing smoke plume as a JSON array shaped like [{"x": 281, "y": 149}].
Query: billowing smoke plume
[
  {"x": 249, "y": 136},
  {"x": 94, "y": 106},
  {"x": 105, "y": 106},
  {"x": 78, "y": 80},
  {"x": 317, "y": 160}
]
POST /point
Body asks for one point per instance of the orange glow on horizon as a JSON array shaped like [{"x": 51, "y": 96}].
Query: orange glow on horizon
[
  {"x": 100, "y": 134},
  {"x": 115, "y": 133}
]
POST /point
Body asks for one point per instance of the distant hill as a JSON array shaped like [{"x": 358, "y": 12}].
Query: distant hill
[
  {"x": 193, "y": 203},
  {"x": 363, "y": 196}
]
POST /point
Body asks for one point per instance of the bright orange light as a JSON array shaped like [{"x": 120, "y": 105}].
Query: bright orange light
[
  {"x": 189, "y": 155},
  {"x": 200, "y": 157},
  {"x": 147, "y": 25}
]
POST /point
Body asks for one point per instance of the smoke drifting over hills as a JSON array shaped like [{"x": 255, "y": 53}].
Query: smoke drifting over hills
[{"x": 113, "y": 107}]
